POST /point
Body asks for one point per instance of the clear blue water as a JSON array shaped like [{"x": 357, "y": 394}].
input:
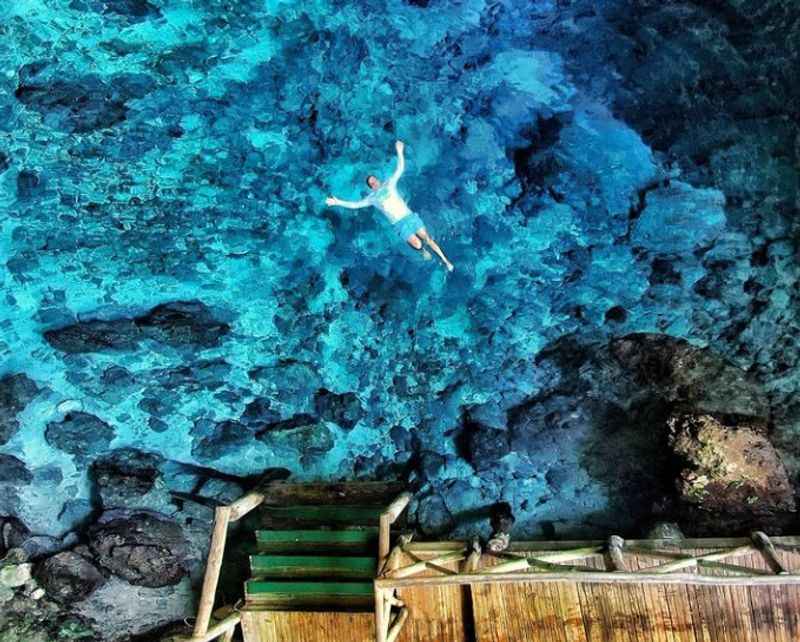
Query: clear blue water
[{"x": 176, "y": 151}]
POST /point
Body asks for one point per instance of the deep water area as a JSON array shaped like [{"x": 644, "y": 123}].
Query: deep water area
[{"x": 615, "y": 181}]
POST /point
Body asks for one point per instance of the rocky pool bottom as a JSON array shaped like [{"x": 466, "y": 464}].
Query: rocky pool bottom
[{"x": 610, "y": 176}]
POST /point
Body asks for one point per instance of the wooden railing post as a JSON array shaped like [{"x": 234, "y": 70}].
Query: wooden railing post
[
  {"x": 218, "y": 537},
  {"x": 614, "y": 551},
  {"x": 387, "y": 518},
  {"x": 767, "y": 548}
]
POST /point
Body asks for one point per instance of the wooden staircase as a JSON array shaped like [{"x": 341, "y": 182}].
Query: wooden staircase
[
  {"x": 315, "y": 568},
  {"x": 316, "y": 556}
]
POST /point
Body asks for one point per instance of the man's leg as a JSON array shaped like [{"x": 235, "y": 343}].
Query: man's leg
[
  {"x": 415, "y": 242},
  {"x": 423, "y": 234}
]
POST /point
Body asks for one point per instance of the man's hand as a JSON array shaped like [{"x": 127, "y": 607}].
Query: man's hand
[
  {"x": 331, "y": 200},
  {"x": 399, "y": 146}
]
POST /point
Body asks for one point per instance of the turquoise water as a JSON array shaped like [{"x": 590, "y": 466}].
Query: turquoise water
[{"x": 175, "y": 153}]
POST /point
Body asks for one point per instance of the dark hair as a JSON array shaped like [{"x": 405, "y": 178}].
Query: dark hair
[{"x": 368, "y": 177}]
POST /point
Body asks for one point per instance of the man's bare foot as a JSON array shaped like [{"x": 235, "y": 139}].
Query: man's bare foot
[
  {"x": 449, "y": 267},
  {"x": 426, "y": 255}
]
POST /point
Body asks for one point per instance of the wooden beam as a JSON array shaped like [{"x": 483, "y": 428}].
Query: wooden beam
[
  {"x": 688, "y": 562},
  {"x": 394, "y": 631},
  {"x": 222, "y": 516},
  {"x": 473, "y": 561},
  {"x": 512, "y": 566},
  {"x": 422, "y": 565},
  {"x": 244, "y": 505},
  {"x": 520, "y": 546},
  {"x": 763, "y": 543},
  {"x": 381, "y": 625},
  {"x": 398, "y": 506},
  {"x": 220, "y": 628},
  {"x": 384, "y": 540},
  {"x": 601, "y": 577}
]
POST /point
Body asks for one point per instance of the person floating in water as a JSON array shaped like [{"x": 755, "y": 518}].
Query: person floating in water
[{"x": 408, "y": 225}]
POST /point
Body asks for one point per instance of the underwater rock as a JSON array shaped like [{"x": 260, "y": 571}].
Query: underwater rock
[
  {"x": 216, "y": 439},
  {"x": 29, "y": 184},
  {"x": 80, "y": 104},
  {"x": 342, "y": 409},
  {"x": 125, "y": 477},
  {"x": 679, "y": 218},
  {"x": 433, "y": 516},
  {"x": 13, "y": 533},
  {"x": 14, "y": 471},
  {"x": 143, "y": 548},
  {"x": 730, "y": 469},
  {"x": 15, "y": 575},
  {"x": 680, "y": 373},
  {"x": 178, "y": 323},
  {"x": 486, "y": 444},
  {"x": 69, "y": 577},
  {"x": 16, "y": 391},
  {"x": 80, "y": 434}
]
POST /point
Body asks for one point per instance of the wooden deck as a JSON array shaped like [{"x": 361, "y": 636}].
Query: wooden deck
[{"x": 574, "y": 611}]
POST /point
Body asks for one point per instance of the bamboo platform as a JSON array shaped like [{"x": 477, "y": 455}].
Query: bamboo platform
[
  {"x": 683, "y": 590},
  {"x": 637, "y": 605}
]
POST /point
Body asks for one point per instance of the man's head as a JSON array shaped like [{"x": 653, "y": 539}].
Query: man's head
[{"x": 373, "y": 182}]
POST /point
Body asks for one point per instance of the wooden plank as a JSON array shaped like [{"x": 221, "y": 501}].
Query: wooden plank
[
  {"x": 208, "y": 593},
  {"x": 278, "y": 566},
  {"x": 256, "y": 587},
  {"x": 327, "y": 515},
  {"x": 301, "y": 541},
  {"x": 363, "y": 493},
  {"x": 438, "y": 614},
  {"x": 305, "y": 626},
  {"x": 318, "y": 595}
]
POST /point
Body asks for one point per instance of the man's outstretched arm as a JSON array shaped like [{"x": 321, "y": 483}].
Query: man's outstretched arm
[
  {"x": 351, "y": 205},
  {"x": 401, "y": 162}
]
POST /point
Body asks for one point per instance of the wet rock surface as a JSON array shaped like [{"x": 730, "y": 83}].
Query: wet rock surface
[
  {"x": 16, "y": 391},
  {"x": 141, "y": 548},
  {"x": 731, "y": 473},
  {"x": 69, "y": 577}
]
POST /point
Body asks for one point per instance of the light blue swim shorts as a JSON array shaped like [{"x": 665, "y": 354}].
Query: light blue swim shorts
[{"x": 407, "y": 225}]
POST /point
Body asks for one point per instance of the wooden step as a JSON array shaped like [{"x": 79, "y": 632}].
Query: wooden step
[
  {"x": 330, "y": 515},
  {"x": 356, "y": 540},
  {"x": 306, "y": 566},
  {"x": 345, "y": 493},
  {"x": 309, "y": 594}
]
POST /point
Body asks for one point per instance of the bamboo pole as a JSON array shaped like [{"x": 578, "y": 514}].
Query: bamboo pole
[
  {"x": 384, "y": 540},
  {"x": 688, "y": 562},
  {"x": 220, "y": 628},
  {"x": 473, "y": 561},
  {"x": 387, "y": 518},
  {"x": 513, "y": 566},
  {"x": 767, "y": 549},
  {"x": 398, "y": 506},
  {"x": 216, "y": 550},
  {"x": 601, "y": 577},
  {"x": 522, "y": 546},
  {"x": 420, "y": 566},
  {"x": 614, "y": 549},
  {"x": 244, "y": 505},
  {"x": 394, "y": 631},
  {"x": 381, "y": 625}
]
